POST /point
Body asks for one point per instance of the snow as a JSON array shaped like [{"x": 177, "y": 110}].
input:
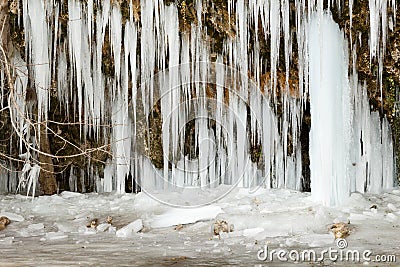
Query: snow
[{"x": 280, "y": 218}]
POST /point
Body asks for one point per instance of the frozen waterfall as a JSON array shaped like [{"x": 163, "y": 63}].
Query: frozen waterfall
[
  {"x": 330, "y": 133},
  {"x": 343, "y": 159},
  {"x": 230, "y": 117}
]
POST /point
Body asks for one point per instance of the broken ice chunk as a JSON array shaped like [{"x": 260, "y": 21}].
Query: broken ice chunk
[
  {"x": 55, "y": 235},
  {"x": 252, "y": 232},
  {"x": 7, "y": 240},
  {"x": 391, "y": 217},
  {"x": 391, "y": 207},
  {"x": 102, "y": 227},
  {"x": 12, "y": 216},
  {"x": 131, "y": 228},
  {"x": 36, "y": 226}
]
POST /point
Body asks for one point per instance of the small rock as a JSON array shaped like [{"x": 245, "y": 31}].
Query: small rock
[
  {"x": 109, "y": 219},
  {"x": 373, "y": 207},
  {"x": 221, "y": 226},
  {"x": 257, "y": 201},
  {"x": 14, "y": 7},
  {"x": 178, "y": 227},
  {"x": 178, "y": 258},
  {"x": 4, "y": 221},
  {"x": 93, "y": 223},
  {"x": 340, "y": 230}
]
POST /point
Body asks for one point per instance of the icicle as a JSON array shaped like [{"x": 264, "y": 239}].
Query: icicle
[
  {"x": 38, "y": 42},
  {"x": 73, "y": 180},
  {"x": 286, "y": 30},
  {"x": 82, "y": 180},
  {"x": 75, "y": 47},
  {"x": 387, "y": 156},
  {"x": 220, "y": 85},
  {"x": 274, "y": 22},
  {"x": 329, "y": 136},
  {"x": 243, "y": 43},
  {"x": 62, "y": 77},
  {"x": 98, "y": 80},
  {"x": 181, "y": 87},
  {"x": 121, "y": 139},
  {"x": 56, "y": 29},
  {"x": 116, "y": 39},
  {"x": 173, "y": 85},
  {"x": 89, "y": 21},
  {"x": 20, "y": 87},
  {"x": 147, "y": 50},
  {"x": 108, "y": 176}
]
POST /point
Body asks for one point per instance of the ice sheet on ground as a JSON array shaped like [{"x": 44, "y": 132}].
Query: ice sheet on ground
[
  {"x": 176, "y": 216},
  {"x": 275, "y": 217}
]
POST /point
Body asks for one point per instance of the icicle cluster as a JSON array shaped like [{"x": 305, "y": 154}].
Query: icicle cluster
[{"x": 227, "y": 96}]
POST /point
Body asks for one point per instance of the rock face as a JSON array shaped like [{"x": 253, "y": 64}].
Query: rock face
[{"x": 219, "y": 22}]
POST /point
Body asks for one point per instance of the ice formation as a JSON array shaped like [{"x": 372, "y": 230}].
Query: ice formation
[
  {"x": 329, "y": 89},
  {"x": 157, "y": 66}
]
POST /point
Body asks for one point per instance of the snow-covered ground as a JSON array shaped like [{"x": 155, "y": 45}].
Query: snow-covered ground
[{"x": 52, "y": 230}]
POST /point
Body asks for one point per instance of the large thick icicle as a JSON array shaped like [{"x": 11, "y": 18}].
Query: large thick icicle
[
  {"x": 350, "y": 148},
  {"x": 330, "y": 111}
]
